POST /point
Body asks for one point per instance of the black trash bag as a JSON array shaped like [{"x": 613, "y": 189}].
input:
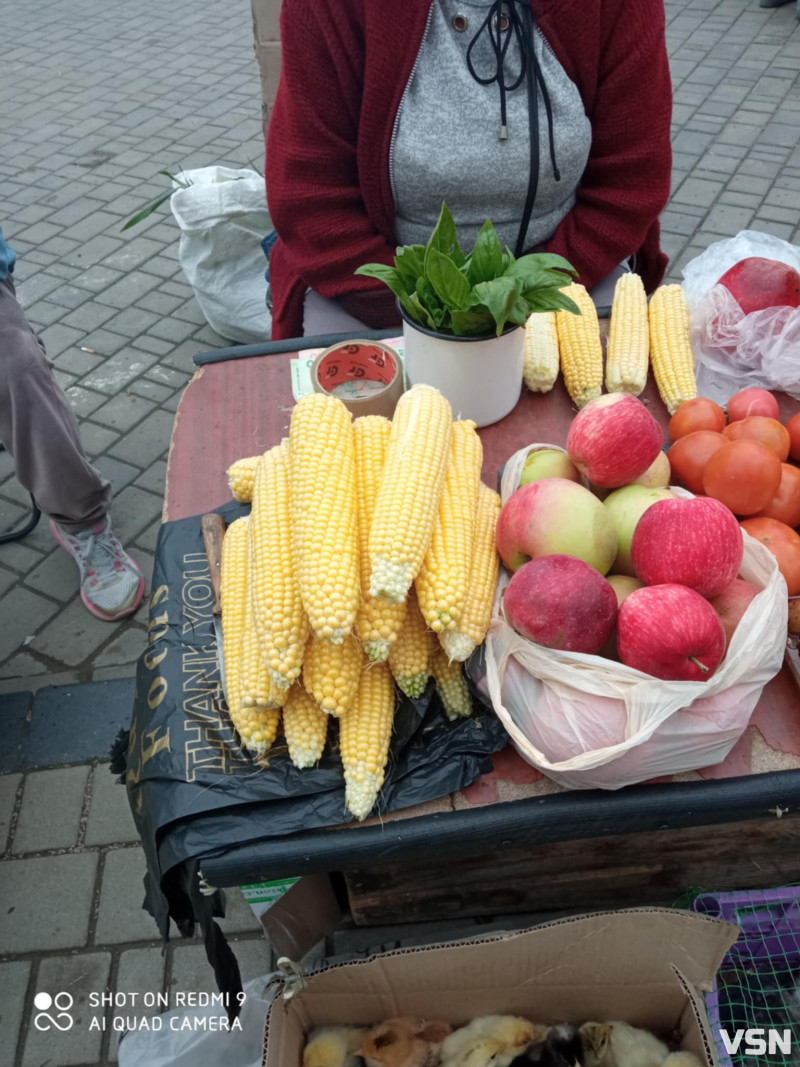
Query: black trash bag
[{"x": 193, "y": 791}]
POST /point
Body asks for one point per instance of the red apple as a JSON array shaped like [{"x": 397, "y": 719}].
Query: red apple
[
  {"x": 752, "y": 401},
  {"x": 671, "y": 632},
  {"x": 548, "y": 463},
  {"x": 626, "y": 506},
  {"x": 732, "y": 603},
  {"x": 561, "y": 602},
  {"x": 757, "y": 283},
  {"x": 551, "y": 516},
  {"x": 613, "y": 440},
  {"x": 695, "y": 542}
]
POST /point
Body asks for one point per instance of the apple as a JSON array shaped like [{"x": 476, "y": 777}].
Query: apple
[
  {"x": 732, "y": 603},
  {"x": 623, "y": 585},
  {"x": 752, "y": 401},
  {"x": 551, "y": 516},
  {"x": 695, "y": 542},
  {"x": 756, "y": 283},
  {"x": 548, "y": 463},
  {"x": 561, "y": 602},
  {"x": 626, "y": 506},
  {"x": 613, "y": 440},
  {"x": 658, "y": 474},
  {"x": 671, "y": 632}
]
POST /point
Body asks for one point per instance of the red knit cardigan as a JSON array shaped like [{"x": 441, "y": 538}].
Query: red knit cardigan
[{"x": 345, "y": 64}]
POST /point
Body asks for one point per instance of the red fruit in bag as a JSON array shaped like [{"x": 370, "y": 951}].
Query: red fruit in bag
[{"x": 757, "y": 283}]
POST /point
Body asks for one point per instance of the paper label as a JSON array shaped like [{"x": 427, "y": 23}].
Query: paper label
[{"x": 267, "y": 892}]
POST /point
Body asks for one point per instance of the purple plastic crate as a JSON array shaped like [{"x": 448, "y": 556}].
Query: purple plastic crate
[{"x": 769, "y": 921}]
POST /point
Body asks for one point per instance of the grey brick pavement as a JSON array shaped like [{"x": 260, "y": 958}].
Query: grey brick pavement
[{"x": 95, "y": 99}]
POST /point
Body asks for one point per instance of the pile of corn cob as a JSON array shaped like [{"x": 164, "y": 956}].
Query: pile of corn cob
[
  {"x": 368, "y": 559},
  {"x": 638, "y": 334}
]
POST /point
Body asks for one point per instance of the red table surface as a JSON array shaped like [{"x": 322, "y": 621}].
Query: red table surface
[{"x": 239, "y": 408}]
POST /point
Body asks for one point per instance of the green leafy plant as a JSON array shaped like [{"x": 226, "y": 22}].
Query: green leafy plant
[{"x": 472, "y": 295}]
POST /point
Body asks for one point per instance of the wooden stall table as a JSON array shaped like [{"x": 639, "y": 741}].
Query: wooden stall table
[{"x": 514, "y": 840}]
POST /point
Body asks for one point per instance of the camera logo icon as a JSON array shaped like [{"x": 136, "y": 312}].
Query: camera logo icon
[{"x": 61, "y": 1003}]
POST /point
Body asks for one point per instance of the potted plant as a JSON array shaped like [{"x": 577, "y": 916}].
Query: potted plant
[{"x": 464, "y": 315}]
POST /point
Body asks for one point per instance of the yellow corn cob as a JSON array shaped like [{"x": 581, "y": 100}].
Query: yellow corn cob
[
  {"x": 378, "y": 622},
  {"x": 628, "y": 348},
  {"x": 410, "y": 491},
  {"x": 540, "y": 369},
  {"x": 241, "y": 476},
  {"x": 460, "y": 643},
  {"x": 671, "y": 347},
  {"x": 258, "y": 728},
  {"x": 281, "y": 623},
  {"x": 580, "y": 347},
  {"x": 322, "y": 482},
  {"x": 233, "y": 595},
  {"x": 257, "y": 688},
  {"x": 410, "y": 654},
  {"x": 331, "y": 673},
  {"x": 451, "y": 685},
  {"x": 305, "y": 726},
  {"x": 444, "y": 576},
  {"x": 364, "y": 735}
]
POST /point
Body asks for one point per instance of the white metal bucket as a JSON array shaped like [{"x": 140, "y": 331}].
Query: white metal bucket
[{"x": 481, "y": 377}]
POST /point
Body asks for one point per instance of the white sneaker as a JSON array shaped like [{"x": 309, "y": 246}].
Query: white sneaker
[{"x": 111, "y": 583}]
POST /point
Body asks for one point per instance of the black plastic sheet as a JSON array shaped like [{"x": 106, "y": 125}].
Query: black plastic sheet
[{"x": 193, "y": 791}]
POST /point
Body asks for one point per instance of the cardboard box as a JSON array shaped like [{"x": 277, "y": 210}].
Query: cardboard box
[{"x": 649, "y": 967}]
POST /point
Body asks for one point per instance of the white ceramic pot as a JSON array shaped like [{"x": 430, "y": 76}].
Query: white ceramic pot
[{"x": 480, "y": 376}]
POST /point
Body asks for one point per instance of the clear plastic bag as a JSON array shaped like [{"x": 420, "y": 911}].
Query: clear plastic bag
[
  {"x": 592, "y": 723},
  {"x": 733, "y": 350},
  {"x": 182, "y": 1041}
]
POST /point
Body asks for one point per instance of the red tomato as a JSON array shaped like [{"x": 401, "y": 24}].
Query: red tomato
[
  {"x": 697, "y": 414},
  {"x": 793, "y": 429},
  {"x": 783, "y": 543},
  {"x": 752, "y": 402},
  {"x": 689, "y": 455},
  {"x": 769, "y": 432},
  {"x": 785, "y": 505},
  {"x": 743, "y": 475}
]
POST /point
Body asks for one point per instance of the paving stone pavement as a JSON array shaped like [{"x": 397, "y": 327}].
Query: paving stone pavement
[{"x": 94, "y": 104}]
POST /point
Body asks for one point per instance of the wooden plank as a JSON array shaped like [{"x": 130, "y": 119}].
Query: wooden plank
[{"x": 614, "y": 871}]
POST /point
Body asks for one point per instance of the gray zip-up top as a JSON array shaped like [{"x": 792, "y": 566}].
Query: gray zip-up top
[{"x": 448, "y": 143}]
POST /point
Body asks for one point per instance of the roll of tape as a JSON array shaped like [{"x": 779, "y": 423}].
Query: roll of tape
[{"x": 367, "y": 376}]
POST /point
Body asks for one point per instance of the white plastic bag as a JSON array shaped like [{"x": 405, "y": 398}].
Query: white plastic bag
[
  {"x": 223, "y": 217},
  {"x": 733, "y": 350},
  {"x": 589, "y": 722},
  {"x": 173, "y": 1046}
]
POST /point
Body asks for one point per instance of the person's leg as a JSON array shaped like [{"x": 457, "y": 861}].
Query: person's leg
[
  {"x": 39, "y": 429},
  {"x": 321, "y": 315},
  {"x": 40, "y": 432}
]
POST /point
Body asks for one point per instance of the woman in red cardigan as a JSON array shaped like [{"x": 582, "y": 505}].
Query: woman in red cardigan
[{"x": 550, "y": 118}]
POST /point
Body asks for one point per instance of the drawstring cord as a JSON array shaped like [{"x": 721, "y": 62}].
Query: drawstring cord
[{"x": 521, "y": 28}]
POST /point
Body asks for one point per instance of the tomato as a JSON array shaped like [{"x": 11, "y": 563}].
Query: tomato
[
  {"x": 769, "y": 432},
  {"x": 785, "y": 505},
  {"x": 793, "y": 429},
  {"x": 783, "y": 543},
  {"x": 752, "y": 402},
  {"x": 743, "y": 475},
  {"x": 689, "y": 455},
  {"x": 697, "y": 414}
]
